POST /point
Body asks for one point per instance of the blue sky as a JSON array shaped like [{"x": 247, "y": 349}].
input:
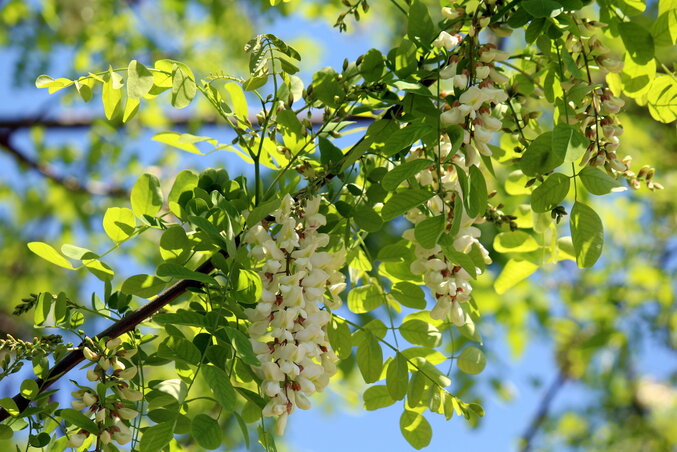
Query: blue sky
[{"x": 345, "y": 427}]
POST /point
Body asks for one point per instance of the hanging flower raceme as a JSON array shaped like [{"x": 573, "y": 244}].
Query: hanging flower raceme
[
  {"x": 288, "y": 329},
  {"x": 112, "y": 413},
  {"x": 477, "y": 106},
  {"x": 447, "y": 280}
]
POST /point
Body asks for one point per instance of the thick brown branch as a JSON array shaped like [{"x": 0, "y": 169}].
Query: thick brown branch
[
  {"x": 542, "y": 413},
  {"x": 46, "y": 170},
  {"x": 82, "y": 122},
  {"x": 124, "y": 325}
]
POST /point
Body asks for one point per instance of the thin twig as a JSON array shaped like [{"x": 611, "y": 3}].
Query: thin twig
[
  {"x": 542, "y": 412},
  {"x": 70, "y": 183}
]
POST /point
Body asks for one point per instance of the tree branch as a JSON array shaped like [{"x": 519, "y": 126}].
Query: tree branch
[
  {"x": 542, "y": 412},
  {"x": 122, "y": 326},
  {"x": 69, "y": 183},
  {"x": 83, "y": 122}
]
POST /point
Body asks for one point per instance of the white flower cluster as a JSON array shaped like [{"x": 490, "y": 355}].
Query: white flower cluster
[
  {"x": 288, "y": 329},
  {"x": 478, "y": 99},
  {"x": 448, "y": 281},
  {"x": 477, "y": 110},
  {"x": 109, "y": 415}
]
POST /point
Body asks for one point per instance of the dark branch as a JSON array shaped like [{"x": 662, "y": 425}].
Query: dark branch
[
  {"x": 542, "y": 413},
  {"x": 46, "y": 170},
  {"x": 83, "y": 122},
  {"x": 124, "y": 325}
]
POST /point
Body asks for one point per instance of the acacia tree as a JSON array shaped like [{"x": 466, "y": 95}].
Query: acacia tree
[{"x": 248, "y": 297}]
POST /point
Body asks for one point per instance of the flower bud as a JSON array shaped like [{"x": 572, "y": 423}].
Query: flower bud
[
  {"x": 89, "y": 354},
  {"x": 127, "y": 413},
  {"x": 114, "y": 343},
  {"x": 92, "y": 375},
  {"x": 77, "y": 439}
]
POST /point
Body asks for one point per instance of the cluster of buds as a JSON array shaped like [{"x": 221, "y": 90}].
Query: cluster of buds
[
  {"x": 288, "y": 329},
  {"x": 597, "y": 118},
  {"x": 448, "y": 281},
  {"x": 480, "y": 19},
  {"x": 603, "y": 130},
  {"x": 645, "y": 174},
  {"x": 113, "y": 412}
]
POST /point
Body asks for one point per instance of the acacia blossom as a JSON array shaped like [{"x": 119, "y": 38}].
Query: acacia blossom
[
  {"x": 111, "y": 416},
  {"x": 288, "y": 326}
]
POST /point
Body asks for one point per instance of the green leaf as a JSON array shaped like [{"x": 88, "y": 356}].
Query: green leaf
[
  {"x": 403, "y": 172},
  {"x": 403, "y": 201},
  {"x": 262, "y": 211},
  {"x": 155, "y": 438},
  {"x": 43, "y": 308},
  {"x": 184, "y": 141},
  {"x": 664, "y": 30},
  {"x": 327, "y": 88},
  {"x": 415, "y": 429},
  {"x": 477, "y": 193},
  {"x": 428, "y": 231},
  {"x": 238, "y": 100},
  {"x": 372, "y": 65},
  {"x": 9, "y": 405},
  {"x": 364, "y": 298},
  {"x": 367, "y": 218},
  {"x": 598, "y": 182},
  {"x": 111, "y": 95},
  {"x": 219, "y": 383},
  {"x": 662, "y": 99},
  {"x": 540, "y": 157},
  {"x": 52, "y": 85},
  {"x": 119, "y": 223},
  {"x": 404, "y": 57},
  {"x": 183, "y": 186},
  {"x": 175, "y": 245},
  {"x": 49, "y": 254},
  {"x": 242, "y": 346},
  {"x": 139, "y": 80},
  {"x": 99, "y": 269},
  {"x": 376, "y": 136},
  {"x": 78, "y": 419},
  {"x": 183, "y": 86},
  {"x": 370, "y": 358},
  {"x": 206, "y": 431},
  {"x": 514, "y": 242},
  {"x": 542, "y": 8},
  {"x": 514, "y": 271},
  {"x": 637, "y": 78},
  {"x": 397, "y": 377},
  {"x": 420, "y": 27},
  {"x": 339, "y": 338},
  {"x": 638, "y": 41},
  {"x": 29, "y": 389},
  {"x": 472, "y": 361},
  {"x": 410, "y": 295},
  {"x": 568, "y": 141},
  {"x": 418, "y": 332},
  {"x": 376, "y": 397},
  {"x": 144, "y": 286},
  {"x": 550, "y": 193},
  {"x": 587, "y": 234},
  {"x": 632, "y": 7},
  {"x": 146, "y": 196},
  {"x": 177, "y": 271},
  {"x": 404, "y": 137}
]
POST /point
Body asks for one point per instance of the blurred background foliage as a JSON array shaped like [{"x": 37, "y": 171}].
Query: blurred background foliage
[{"x": 612, "y": 329}]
